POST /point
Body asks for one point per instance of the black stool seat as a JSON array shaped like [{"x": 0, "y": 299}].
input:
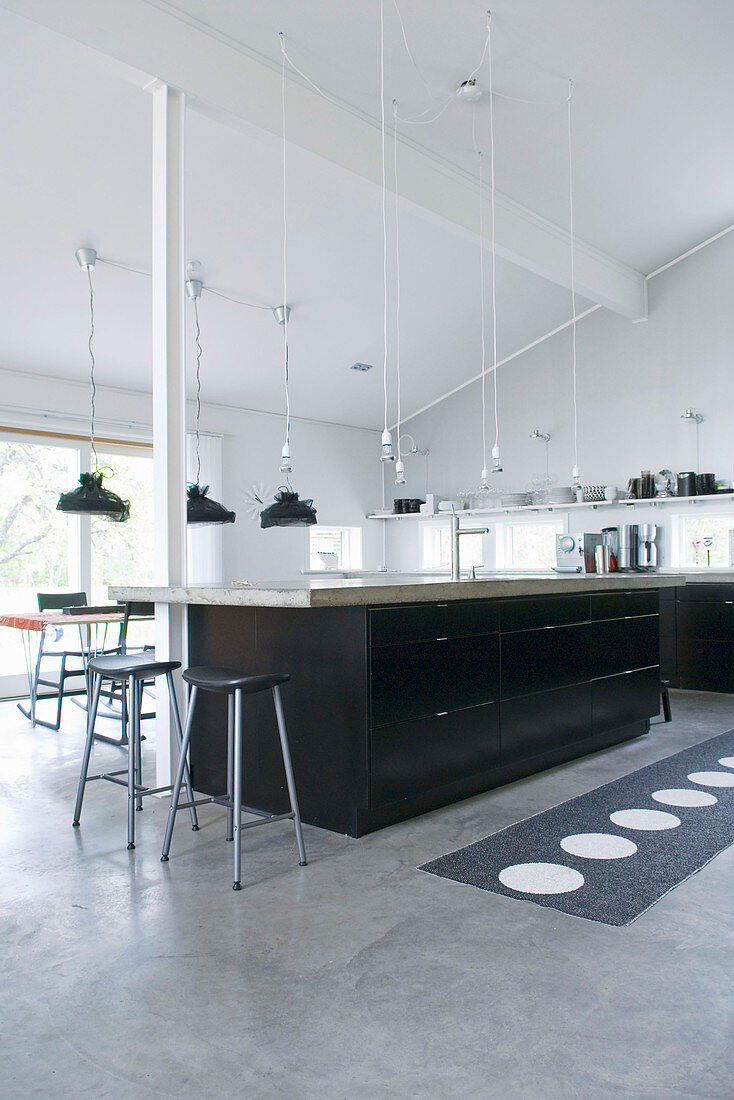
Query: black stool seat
[
  {"x": 227, "y": 680},
  {"x": 122, "y": 665}
]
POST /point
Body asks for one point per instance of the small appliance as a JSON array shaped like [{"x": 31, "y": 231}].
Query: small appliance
[
  {"x": 575, "y": 552},
  {"x": 627, "y": 547},
  {"x": 647, "y": 551}
]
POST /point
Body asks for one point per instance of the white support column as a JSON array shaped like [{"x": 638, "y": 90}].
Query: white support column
[{"x": 169, "y": 391}]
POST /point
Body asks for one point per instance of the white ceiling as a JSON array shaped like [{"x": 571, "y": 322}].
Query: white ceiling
[{"x": 651, "y": 180}]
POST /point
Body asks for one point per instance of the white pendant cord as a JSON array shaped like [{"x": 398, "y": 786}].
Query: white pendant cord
[
  {"x": 384, "y": 213},
  {"x": 397, "y": 269},
  {"x": 199, "y": 350},
  {"x": 92, "y": 365},
  {"x": 483, "y": 321},
  {"x": 495, "y": 449},
  {"x": 287, "y": 446},
  {"x": 573, "y": 285}
]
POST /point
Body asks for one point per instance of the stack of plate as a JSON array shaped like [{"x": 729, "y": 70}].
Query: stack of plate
[
  {"x": 563, "y": 494},
  {"x": 515, "y": 500}
]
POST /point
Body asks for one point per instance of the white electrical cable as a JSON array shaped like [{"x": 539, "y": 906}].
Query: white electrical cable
[
  {"x": 483, "y": 313},
  {"x": 493, "y": 235},
  {"x": 573, "y": 284},
  {"x": 397, "y": 265},
  {"x": 384, "y": 214},
  {"x": 285, "y": 264},
  {"x": 409, "y": 52}
]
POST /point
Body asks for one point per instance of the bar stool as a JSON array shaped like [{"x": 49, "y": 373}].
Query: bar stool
[
  {"x": 235, "y": 685},
  {"x": 665, "y": 698},
  {"x": 132, "y": 670}
]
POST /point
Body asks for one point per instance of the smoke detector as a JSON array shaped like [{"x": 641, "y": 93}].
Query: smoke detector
[
  {"x": 469, "y": 91},
  {"x": 361, "y": 366}
]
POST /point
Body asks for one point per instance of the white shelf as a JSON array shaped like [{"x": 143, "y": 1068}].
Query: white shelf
[{"x": 650, "y": 502}]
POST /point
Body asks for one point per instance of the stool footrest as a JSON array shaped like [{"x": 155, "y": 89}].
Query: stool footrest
[
  {"x": 106, "y": 775},
  {"x": 267, "y": 820}
]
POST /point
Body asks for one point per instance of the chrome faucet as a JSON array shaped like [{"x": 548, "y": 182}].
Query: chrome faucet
[{"x": 455, "y": 537}]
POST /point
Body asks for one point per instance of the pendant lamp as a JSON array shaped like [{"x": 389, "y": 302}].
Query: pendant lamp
[
  {"x": 200, "y": 509},
  {"x": 287, "y": 510},
  {"x": 90, "y": 498}
]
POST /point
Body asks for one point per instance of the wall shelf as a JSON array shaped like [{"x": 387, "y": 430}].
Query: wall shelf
[{"x": 541, "y": 509}]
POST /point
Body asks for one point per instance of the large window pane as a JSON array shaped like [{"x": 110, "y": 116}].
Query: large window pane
[
  {"x": 122, "y": 553},
  {"x": 38, "y": 545}
]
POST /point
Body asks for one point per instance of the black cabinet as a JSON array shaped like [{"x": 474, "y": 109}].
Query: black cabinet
[
  {"x": 537, "y": 660},
  {"x": 705, "y": 637},
  {"x": 411, "y": 758},
  {"x": 622, "y": 645},
  {"x": 619, "y": 700},
  {"x": 536, "y": 724},
  {"x": 426, "y": 621},
  {"x": 410, "y": 681}
]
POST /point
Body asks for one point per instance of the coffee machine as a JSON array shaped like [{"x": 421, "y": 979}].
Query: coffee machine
[
  {"x": 647, "y": 551},
  {"x": 636, "y": 548}
]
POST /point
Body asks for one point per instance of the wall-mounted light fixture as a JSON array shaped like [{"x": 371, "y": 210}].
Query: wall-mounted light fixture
[{"x": 697, "y": 419}]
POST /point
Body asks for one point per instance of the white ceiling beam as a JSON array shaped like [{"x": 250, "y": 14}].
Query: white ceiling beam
[{"x": 224, "y": 79}]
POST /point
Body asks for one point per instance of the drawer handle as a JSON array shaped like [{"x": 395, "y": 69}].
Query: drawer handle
[
  {"x": 441, "y": 639},
  {"x": 441, "y": 713},
  {"x": 728, "y": 601}
]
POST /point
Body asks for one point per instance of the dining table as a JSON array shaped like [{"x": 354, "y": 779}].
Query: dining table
[{"x": 92, "y": 626}]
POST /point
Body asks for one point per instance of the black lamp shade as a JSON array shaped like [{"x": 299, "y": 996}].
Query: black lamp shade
[
  {"x": 288, "y": 511},
  {"x": 201, "y": 510},
  {"x": 92, "y": 499}
]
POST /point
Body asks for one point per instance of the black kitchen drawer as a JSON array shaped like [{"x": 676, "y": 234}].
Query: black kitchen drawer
[
  {"x": 620, "y": 700},
  {"x": 410, "y": 758},
  {"x": 697, "y": 592},
  {"x": 411, "y": 681},
  {"x": 706, "y": 665},
  {"x": 619, "y": 605},
  {"x": 418, "y": 622},
  {"x": 623, "y": 645},
  {"x": 537, "y": 660},
  {"x": 540, "y": 723},
  {"x": 531, "y": 612},
  {"x": 706, "y": 620}
]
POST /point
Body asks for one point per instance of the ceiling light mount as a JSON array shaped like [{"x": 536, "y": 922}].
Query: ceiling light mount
[
  {"x": 194, "y": 288},
  {"x": 86, "y": 258},
  {"x": 469, "y": 91},
  {"x": 282, "y": 314}
]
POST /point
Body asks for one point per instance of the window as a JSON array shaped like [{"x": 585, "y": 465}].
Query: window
[
  {"x": 528, "y": 545},
  {"x": 436, "y": 548},
  {"x": 334, "y": 548},
  {"x": 702, "y": 540},
  {"x": 122, "y": 553}
]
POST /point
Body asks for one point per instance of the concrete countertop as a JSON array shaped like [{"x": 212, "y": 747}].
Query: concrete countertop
[{"x": 363, "y": 591}]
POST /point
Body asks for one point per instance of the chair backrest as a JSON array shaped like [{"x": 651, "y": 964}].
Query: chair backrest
[
  {"x": 55, "y": 601},
  {"x": 133, "y": 609}
]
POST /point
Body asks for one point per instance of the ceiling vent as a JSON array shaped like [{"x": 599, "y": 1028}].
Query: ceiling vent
[{"x": 361, "y": 366}]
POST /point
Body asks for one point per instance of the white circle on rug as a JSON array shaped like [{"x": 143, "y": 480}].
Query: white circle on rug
[
  {"x": 598, "y": 846},
  {"x": 727, "y": 761},
  {"x": 712, "y": 779},
  {"x": 541, "y": 878},
  {"x": 647, "y": 820},
  {"x": 684, "y": 796}
]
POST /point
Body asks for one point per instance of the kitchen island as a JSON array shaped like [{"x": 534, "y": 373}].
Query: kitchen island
[{"x": 407, "y": 696}]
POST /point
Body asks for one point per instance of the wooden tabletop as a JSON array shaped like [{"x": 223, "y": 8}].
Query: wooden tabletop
[{"x": 37, "y": 620}]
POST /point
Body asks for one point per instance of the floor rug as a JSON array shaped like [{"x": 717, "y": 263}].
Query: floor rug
[{"x": 612, "y": 853}]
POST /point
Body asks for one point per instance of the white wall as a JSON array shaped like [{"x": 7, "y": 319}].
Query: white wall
[
  {"x": 339, "y": 467},
  {"x": 634, "y": 381}
]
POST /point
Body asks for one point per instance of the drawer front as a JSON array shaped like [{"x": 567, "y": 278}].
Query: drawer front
[
  {"x": 412, "y": 681},
  {"x": 669, "y": 658},
  {"x": 697, "y": 592},
  {"x": 618, "y": 605},
  {"x": 668, "y": 617},
  {"x": 706, "y": 666},
  {"x": 538, "y": 660},
  {"x": 409, "y": 758},
  {"x": 620, "y": 700},
  {"x": 623, "y": 645},
  {"x": 422, "y": 622},
  {"x": 543, "y": 722},
  {"x": 528, "y": 613},
  {"x": 710, "y": 621}
]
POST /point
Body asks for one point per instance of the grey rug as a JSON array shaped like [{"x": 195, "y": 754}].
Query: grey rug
[{"x": 590, "y": 857}]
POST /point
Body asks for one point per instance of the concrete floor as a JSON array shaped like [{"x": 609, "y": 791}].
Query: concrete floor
[{"x": 355, "y": 977}]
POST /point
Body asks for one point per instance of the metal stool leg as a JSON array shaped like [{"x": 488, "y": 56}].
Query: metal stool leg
[
  {"x": 134, "y": 739},
  {"x": 137, "y": 686},
  {"x": 96, "y": 688},
  {"x": 179, "y": 738},
  {"x": 175, "y": 793},
  {"x": 237, "y": 790},
  {"x": 289, "y": 775},
  {"x": 230, "y": 765}
]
